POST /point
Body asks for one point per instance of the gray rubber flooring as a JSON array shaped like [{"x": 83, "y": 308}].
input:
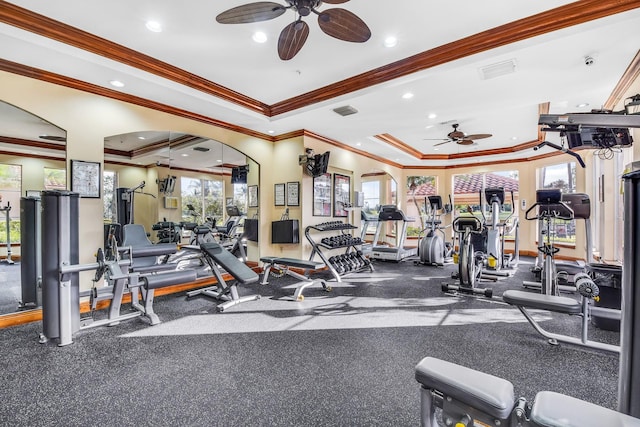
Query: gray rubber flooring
[{"x": 339, "y": 358}]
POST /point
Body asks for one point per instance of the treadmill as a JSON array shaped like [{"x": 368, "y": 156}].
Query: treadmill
[
  {"x": 385, "y": 252},
  {"x": 367, "y": 219}
]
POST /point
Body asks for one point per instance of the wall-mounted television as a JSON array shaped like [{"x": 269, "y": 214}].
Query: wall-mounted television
[
  {"x": 167, "y": 185},
  {"x": 318, "y": 165}
]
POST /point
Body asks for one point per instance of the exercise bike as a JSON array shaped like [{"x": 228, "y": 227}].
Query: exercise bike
[
  {"x": 550, "y": 208},
  {"x": 470, "y": 261},
  {"x": 432, "y": 248}
]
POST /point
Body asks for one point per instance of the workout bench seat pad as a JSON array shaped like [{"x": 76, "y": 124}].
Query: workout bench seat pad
[
  {"x": 485, "y": 392},
  {"x": 243, "y": 274},
  {"x": 542, "y": 302},
  {"x": 553, "y": 409},
  {"x": 293, "y": 262}
]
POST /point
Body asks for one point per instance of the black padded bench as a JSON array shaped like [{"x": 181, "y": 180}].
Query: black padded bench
[
  {"x": 466, "y": 395},
  {"x": 216, "y": 255},
  {"x": 286, "y": 264}
]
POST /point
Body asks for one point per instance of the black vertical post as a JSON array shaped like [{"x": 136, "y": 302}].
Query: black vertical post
[{"x": 629, "y": 377}]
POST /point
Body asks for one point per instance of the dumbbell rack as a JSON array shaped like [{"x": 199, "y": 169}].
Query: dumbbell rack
[{"x": 350, "y": 261}]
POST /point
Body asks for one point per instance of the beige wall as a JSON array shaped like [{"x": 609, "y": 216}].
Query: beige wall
[{"x": 89, "y": 118}]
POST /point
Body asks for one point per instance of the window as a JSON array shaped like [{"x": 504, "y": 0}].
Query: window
[
  {"x": 109, "y": 185},
  {"x": 55, "y": 179},
  {"x": 11, "y": 191},
  {"x": 563, "y": 177},
  {"x": 371, "y": 190},
  {"x": 206, "y": 197},
  {"x": 467, "y": 198},
  {"x": 240, "y": 196},
  {"x": 418, "y": 189}
]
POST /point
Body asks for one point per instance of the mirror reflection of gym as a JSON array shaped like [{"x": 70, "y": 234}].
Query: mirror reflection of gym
[
  {"x": 191, "y": 180},
  {"x": 33, "y": 159}
]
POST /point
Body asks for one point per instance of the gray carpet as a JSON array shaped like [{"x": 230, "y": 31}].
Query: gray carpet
[{"x": 341, "y": 358}]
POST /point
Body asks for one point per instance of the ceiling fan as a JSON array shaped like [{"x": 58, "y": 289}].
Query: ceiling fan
[
  {"x": 460, "y": 137},
  {"x": 336, "y": 22}
]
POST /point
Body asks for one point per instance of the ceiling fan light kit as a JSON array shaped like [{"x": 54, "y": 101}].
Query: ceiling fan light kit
[{"x": 336, "y": 22}]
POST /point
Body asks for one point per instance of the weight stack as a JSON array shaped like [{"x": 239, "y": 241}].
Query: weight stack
[{"x": 59, "y": 244}]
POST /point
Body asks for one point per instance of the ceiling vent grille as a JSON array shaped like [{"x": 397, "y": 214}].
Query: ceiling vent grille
[
  {"x": 347, "y": 110},
  {"x": 498, "y": 69},
  {"x": 201, "y": 149}
]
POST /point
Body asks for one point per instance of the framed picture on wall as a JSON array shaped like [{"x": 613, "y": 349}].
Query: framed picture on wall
[
  {"x": 322, "y": 195},
  {"x": 341, "y": 195},
  {"x": 253, "y": 196},
  {"x": 86, "y": 178},
  {"x": 293, "y": 193},
  {"x": 278, "y": 195}
]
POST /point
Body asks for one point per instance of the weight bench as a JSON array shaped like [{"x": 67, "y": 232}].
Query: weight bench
[
  {"x": 558, "y": 304},
  {"x": 214, "y": 255},
  {"x": 285, "y": 265},
  {"x": 467, "y": 396}
]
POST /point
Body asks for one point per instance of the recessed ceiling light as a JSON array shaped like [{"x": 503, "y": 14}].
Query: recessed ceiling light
[
  {"x": 435, "y": 149},
  {"x": 185, "y": 155},
  {"x": 432, "y": 116},
  {"x": 154, "y": 26},
  {"x": 359, "y": 144},
  {"x": 116, "y": 83},
  {"x": 407, "y": 95},
  {"x": 514, "y": 138},
  {"x": 141, "y": 137},
  {"x": 219, "y": 160},
  {"x": 390, "y": 41},
  {"x": 582, "y": 105},
  {"x": 428, "y": 127},
  {"x": 259, "y": 37},
  {"x": 271, "y": 131}
]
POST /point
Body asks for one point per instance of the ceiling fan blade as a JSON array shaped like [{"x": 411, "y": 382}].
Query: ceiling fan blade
[
  {"x": 252, "y": 12},
  {"x": 292, "y": 39},
  {"x": 464, "y": 141},
  {"x": 478, "y": 136},
  {"x": 334, "y": 1},
  {"x": 446, "y": 142},
  {"x": 343, "y": 25}
]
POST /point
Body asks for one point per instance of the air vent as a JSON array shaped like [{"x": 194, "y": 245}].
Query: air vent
[
  {"x": 498, "y": 69},
  {"x": 347, "y": 110},
  {"x": 201, "y": 149}
]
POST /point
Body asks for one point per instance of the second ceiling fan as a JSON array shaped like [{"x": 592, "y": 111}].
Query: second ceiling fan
[
  {"x": 339, "y": 23},
  {"x": 460, "y": 137}
]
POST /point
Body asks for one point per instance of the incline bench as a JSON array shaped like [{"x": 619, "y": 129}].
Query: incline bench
[
  {"x": 216, "y": 255},
  {"x": 466, "y": 395},
  {"x": 285, "y": 264}
]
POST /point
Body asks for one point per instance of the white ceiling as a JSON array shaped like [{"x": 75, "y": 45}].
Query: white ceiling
[{"x": 549, "y": 68}]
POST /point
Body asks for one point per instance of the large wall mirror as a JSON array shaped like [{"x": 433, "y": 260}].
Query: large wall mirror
[
  {"x": 32, "y": 159},
  {"x": 187, "y": 179}
]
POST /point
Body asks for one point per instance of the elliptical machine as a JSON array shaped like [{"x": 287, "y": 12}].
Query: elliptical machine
[
  {"x": 432, "y": 248},
  {"x": 496, "y": 231}
]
